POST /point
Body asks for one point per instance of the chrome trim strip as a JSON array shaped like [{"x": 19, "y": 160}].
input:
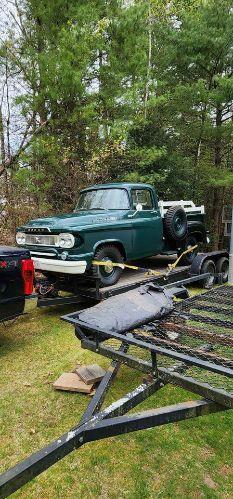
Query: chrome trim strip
[{"x": 42, "y": 254}]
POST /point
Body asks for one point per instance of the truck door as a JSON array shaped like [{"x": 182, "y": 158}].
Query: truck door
[{"x": 146, "y": 224}]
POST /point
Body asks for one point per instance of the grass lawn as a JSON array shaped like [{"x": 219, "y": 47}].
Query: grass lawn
[{"x": 188, "y": 459}]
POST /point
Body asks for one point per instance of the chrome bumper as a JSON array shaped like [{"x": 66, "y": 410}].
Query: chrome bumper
[{"x": 60, "y": 266}]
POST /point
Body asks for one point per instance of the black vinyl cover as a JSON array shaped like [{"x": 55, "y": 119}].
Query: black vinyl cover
[{"x": 129, "y": 310}]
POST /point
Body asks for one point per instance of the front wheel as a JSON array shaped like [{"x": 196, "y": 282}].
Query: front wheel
[
  {"x": 107, "y": 274},
  {"x": 189, "y": 257}
]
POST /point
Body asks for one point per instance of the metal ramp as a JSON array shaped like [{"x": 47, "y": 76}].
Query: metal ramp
[{"x": 192, "y": 348}]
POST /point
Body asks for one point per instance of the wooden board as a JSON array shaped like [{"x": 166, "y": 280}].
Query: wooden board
[
  {"x": 73, "y": 383},
  {"x": 90, "y": 374}
]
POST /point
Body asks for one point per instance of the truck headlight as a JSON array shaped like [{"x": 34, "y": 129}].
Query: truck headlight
[
  {"x": 66, "y": 240},
  {"x": 20, "y": 238}
]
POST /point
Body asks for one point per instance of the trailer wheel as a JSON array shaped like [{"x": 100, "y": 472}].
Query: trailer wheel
[
  {"x": 175, "y": 223},
  {"x": 208, "y": 267},
  {"x": 222, "y": 267},
  {"x": 108, "y": 275}
]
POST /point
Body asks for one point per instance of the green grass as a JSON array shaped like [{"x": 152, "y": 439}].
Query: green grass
[{"x": 189, "y": 459}]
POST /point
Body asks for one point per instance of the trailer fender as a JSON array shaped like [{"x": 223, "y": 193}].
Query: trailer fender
[{"x": 197, "y": 264}]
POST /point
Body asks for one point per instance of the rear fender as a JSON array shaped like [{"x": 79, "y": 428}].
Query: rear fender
[
  {"x": 198, "y": 230},
  {"x": 202, "y": 257}
]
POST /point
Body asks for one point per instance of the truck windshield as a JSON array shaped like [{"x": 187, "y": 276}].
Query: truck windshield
[{"x": 103, "y": 199}]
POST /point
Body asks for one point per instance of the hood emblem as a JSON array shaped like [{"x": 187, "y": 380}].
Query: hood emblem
[{"x": 36, "y": 229}]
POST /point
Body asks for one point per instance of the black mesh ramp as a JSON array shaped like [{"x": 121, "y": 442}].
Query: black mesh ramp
[{"x": 195, "y": 337}]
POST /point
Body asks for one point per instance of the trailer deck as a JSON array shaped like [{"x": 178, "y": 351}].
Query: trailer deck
[
  {"x": 130, "y": 279},
  {"x": 155, "y": 269}
]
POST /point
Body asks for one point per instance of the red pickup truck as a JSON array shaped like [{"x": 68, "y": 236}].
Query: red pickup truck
[{"x": 16, "y": 281}]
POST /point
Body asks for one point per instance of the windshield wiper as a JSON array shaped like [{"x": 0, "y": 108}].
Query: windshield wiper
[
  {"x": 91, "y": 209},
  {"x": 99, "y": 208}
]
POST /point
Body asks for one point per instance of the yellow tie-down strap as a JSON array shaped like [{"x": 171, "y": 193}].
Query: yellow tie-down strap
[{"x": 123, "y": 266}]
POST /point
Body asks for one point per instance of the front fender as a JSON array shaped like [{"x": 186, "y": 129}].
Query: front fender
[{"x": 118, "y": 242}]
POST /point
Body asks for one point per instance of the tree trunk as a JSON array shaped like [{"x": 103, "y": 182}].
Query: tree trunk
[
  {"x": 198, "y": 150},
  {"x": 218, "y": 193},
  {"x": 146, "y": 96}
]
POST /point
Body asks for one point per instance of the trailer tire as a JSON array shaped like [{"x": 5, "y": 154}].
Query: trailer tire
[
  {"x": 208, "y": 267},
  {"x": 222, "y": 267},
  {"x": 107, "y": 276},
  {"x": 175, "y": 223}
]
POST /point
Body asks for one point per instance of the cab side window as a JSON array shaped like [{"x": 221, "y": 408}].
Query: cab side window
[{"x": 143, "y": 197}]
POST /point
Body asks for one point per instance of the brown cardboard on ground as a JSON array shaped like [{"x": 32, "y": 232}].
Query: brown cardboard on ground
[
  {"x": 91, "y": 373},
  {"x": 72, "y": 382}
]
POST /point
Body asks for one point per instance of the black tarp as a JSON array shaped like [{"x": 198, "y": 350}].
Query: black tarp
[{"x": 129, "y": 310}]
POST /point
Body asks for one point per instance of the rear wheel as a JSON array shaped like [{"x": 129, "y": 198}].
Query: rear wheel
[
  {"x": 189, "y": 257},
  {"x": 108, "y": 274}
]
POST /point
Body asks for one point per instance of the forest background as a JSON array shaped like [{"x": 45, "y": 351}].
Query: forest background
[{"x": 110, "y": 90}]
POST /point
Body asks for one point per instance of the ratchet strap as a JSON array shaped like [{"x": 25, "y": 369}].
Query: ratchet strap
[
  {"x": 123, "y": 266},
  {"x": 172, "y": 266}
]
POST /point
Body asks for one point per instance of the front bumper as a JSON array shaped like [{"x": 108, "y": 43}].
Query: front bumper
[{"x": 60, "y": 266}]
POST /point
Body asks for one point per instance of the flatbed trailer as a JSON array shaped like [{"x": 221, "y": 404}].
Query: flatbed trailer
[
  {"x": 181, "y": 360},
  {"x": 89, "y": 289}
]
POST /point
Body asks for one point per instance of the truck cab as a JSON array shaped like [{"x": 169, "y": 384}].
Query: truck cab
[{"x": 113, "y": 223}]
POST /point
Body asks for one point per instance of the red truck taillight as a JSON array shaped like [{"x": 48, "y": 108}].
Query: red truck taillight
[{"x": 27, "y": 267}]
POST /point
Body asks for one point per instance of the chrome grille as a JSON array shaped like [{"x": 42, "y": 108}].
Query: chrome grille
[{"x": 41, "y": 240}]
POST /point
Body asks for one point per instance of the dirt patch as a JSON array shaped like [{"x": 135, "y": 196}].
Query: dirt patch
[
  {"x": 209, "y": 482},
  {"x": 226, "y": 470}
]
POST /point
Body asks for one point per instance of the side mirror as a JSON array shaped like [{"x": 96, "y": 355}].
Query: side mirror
[{"x": 138, "y": 208}]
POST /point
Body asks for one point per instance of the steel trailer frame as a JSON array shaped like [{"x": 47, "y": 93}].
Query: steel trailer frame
[
  {"x": 98, "y": 295},
  {"x": 97, "y": 423},
  {"x": 90, "y": 287}
]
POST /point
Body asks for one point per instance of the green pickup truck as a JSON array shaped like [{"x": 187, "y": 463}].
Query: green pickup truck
[{"x": 112, "y": 222}]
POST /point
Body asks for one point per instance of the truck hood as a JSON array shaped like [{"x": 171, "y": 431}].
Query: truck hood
[{"x": 76, "y": 220}]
